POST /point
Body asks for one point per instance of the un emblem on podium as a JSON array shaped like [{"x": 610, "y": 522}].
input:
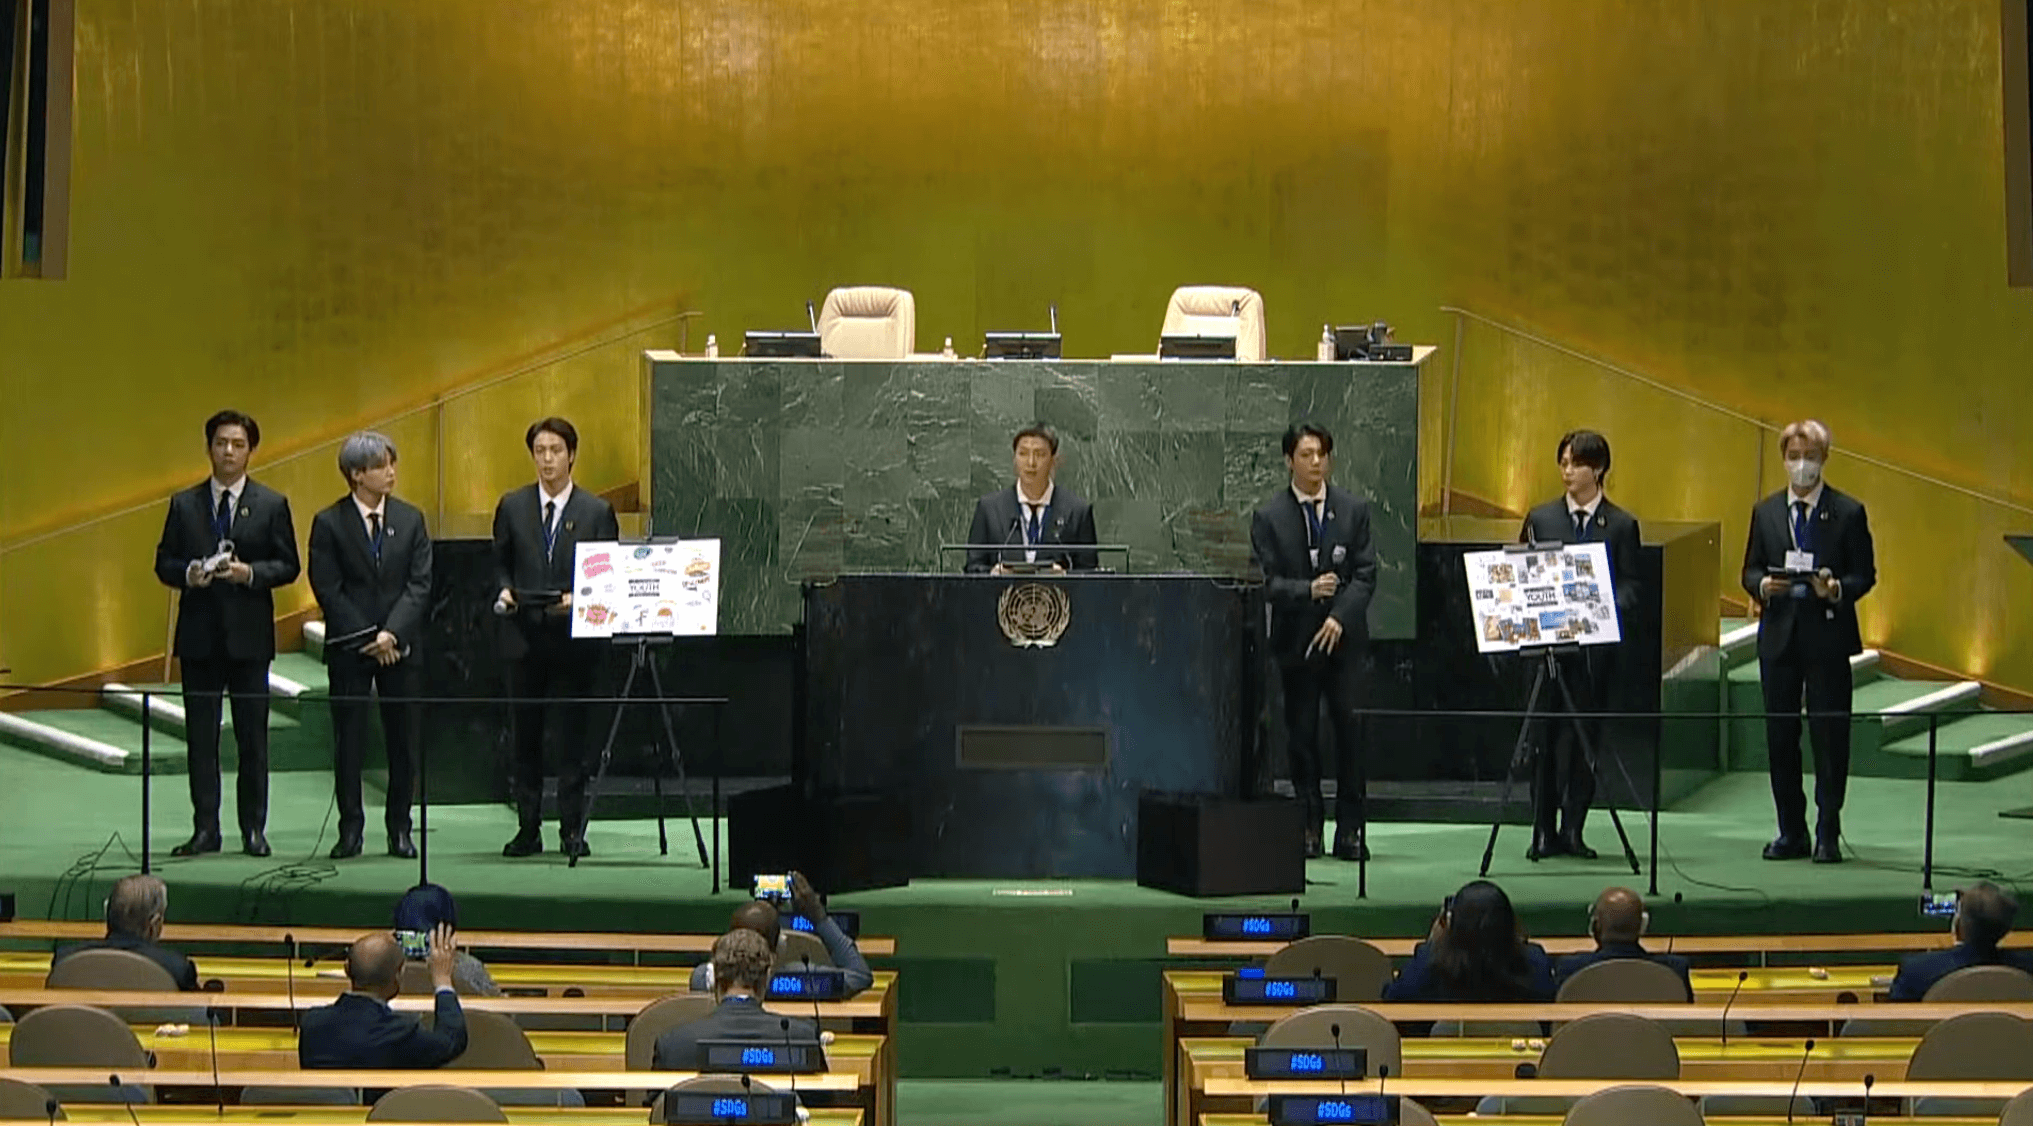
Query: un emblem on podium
[{"x": 1033, "y": 615}]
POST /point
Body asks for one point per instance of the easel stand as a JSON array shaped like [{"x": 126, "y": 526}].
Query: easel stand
[
  {"x": 638, "y": 661},
  {"x": 1523, "y": 753}
]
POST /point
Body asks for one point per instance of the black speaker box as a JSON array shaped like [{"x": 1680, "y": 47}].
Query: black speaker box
[
  {"x": 841, "y": 842},
  {"x": 1198, "y": 845}
]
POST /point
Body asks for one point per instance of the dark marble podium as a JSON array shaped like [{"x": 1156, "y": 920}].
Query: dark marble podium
[{"x": 1025, "y": 762}]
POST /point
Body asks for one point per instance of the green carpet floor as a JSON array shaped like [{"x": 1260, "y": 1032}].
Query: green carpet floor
[{"x": 1008, "y": 977}]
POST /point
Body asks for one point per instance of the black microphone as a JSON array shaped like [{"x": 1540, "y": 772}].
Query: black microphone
[
  {"x": 1334, "y": 1030},
  {"x": 113, "y": 1080},
  {"x": 1801, "y": 1074},
  {"x": 1383, "y": 1073},
  {"x": 49, "y": 1107},
  {"x": 1235, "y": 307},
  {"x": 289, "y": 976},
  {"x": 812, "y": 316},
  {"x": 1869, "y": 1082},
  {"x": 212, "y": 1029},
  {"x": 784, "y": 1023},
  {"x": 1742, "y": 976}
]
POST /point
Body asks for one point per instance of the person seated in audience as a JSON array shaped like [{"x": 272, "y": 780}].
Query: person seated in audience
[
  {"x": 423, "y": 909},
  {"x": 742, "y": 963},
  {"x": 134, "y": 913},
  {"x": 359, "y": 1030},
  {"x": 1476, "y": 952},
  {"x": 762, "y": 918},
  {"x": 1983, "y": 917},
  {"x": 1617, "y": 922}
]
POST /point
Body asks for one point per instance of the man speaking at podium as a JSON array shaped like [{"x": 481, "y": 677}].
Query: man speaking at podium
[
  {"x": 1033, "y": 512},
  {"x": 536, "y": 530},
  {"x": 1312, "y": 541},
  {"x": 1563, "y": 780}
]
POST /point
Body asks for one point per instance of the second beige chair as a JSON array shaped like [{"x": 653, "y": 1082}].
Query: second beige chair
[
  {"x": 795, "y": 948},
  {"x": 1981, "y": 983},
  {"x": 1219, "y": 310},
  {"x": 82, "y": 1036},
  {"x": 868, "y": 322},
  {"x": 1631, "y": 981},
  {"x": 1357, "y": 1028},
  {"x": 1626, "y": 1106},
  {"x": 2018, "y": 1112},
  {"x": 107, "y": 968},
  {"x": 1610, "y": 1046},
  {"x": 26, "y": 1100},
  {"x": 435, "y": 1102},
  {"x": 1360, "y": 971}
]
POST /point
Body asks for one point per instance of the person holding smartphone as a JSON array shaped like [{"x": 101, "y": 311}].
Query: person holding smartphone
[
  {"x": 1983, "y": 917},
  {"x": 422, "y": 910},
  {"x": 360, "y": 1032},
  {"x": 762, "y": 916}
]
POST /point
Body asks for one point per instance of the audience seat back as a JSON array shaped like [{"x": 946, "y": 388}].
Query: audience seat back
[
  {"x": 494, "y": 1042},
  {"x": 1628, "y": 981},
  {"x": 435, "y": 1102},
  {"x": 106, "y": 968},
  {"x": 795, "y": 948},
  {"x": 1982, "y": 983},
  {"x": 1624, "y": 1106},
  {"x": 659, "y": 1017},
  {"x": 1360, "y": 971},
  {"x": 81, "y": 1036},
  {"x": 1610, "y": 1046},
  {"x": 1360, "y": 1028},
  {"x": 868, "y": 322},
  {"x": 26, "y": 1100}
]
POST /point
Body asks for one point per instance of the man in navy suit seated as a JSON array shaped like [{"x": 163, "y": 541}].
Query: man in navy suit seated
[
  {"x": 742, "y": 963},
  {"x": 360, "y": 1031},
  {"x": 1983, "y": 917},
  {"x": 1618, "y": 921}
]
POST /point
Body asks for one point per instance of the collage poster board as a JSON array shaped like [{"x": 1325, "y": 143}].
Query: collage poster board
[
  {"x": 1558, "y": 595},
  {"x": 669, "y": 587}
]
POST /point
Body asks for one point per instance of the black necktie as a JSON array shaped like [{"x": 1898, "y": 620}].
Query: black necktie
[
  {"x": 1035, "y": 530},
  {"x": 1312, "y": 523},
  {"x": 222, "y": 520},
  {"x": 550, "y": 529},
  {"x": 1800, "y": 526},
  {"x": 374, "y": 534},
  {"x": 1580, "y": 524}
]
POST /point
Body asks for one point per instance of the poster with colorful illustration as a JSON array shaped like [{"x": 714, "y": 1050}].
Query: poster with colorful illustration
[
  {"x": 669, "y": 587},
  {"x": 1552, "y": 596}
]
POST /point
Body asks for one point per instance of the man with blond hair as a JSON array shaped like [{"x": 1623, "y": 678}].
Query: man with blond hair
[
  {"x": 742, "y": 964},
  {"x": 1808, "y": 560}
]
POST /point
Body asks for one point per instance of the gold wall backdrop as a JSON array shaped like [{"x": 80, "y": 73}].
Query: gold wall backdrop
[{"x": 324, "y": 211}]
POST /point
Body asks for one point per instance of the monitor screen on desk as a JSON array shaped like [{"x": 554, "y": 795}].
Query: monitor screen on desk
[
  {"x": 1022, "y": 346},
  {"x": 781, "y": 344},
  {"x": 1196, "y": 348}
]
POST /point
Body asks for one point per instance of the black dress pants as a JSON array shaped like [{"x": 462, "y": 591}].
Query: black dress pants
[
  {"x": 1563, "y": 779},
  {"x": 555, "y": 668},
  {"x": 1824, "y": 680},
  {"x": 354, "y": 678},
  {"x": 1337, "y": 680},
  {"x": 204, "y": 682}
]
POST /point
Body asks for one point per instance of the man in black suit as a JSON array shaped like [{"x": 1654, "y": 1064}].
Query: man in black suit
[
  {"x": 360, "y": 1032},
  {"x": 1617, "y": 922},
  {"x": 1808, "y": 559},
  {"x": 227, "y": 543},
  {"x": 742, "y": 963},
  {"x": 1035, "y": 511},
  {"x": 371, "y": 572},
  {"x": 134, "y": 913},
  {"x": 536, "y": 529},
  {"x": 1563, "y": 779},
  {"x": 1312, "y": 542},
  {"x": 1983, "y": 917}
]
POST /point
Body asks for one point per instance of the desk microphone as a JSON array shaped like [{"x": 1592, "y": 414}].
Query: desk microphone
[
  {"x": 1798, "y": 1076},
  {"x": 1869, "y": 1082},
  {"x": 784, "y": 1023},
  {"x": 1053, "y": 309},
  {"x": 114, "y": 1081},
  {"x": 49, "y": 1107},
  {"x": 1334, "y": 1030},
  {"x": 812, "y": 316},
  {"x": 1742, "y": 976},
  {"x": 1383, "y": 1073},
  {"x": 289, "y": 979},
  {"x": 212, "y": 1015}
]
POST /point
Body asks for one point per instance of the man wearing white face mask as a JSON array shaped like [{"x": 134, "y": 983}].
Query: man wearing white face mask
[{"x": 1808, "y": 561}]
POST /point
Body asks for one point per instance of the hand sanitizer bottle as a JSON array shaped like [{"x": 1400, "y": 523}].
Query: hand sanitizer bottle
[
  {"x": 1326, "y": 352},
  {"x": 947, "y": 351},
  {"x": 712, "y": 346}
]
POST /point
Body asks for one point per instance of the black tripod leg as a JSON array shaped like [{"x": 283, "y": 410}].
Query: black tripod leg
[
  {"x": 635, "y": 662},
  {"x": 1518, "y": 756},
  {"x": 677, "y": 763},
  {"x": 1588, "y": 760}
]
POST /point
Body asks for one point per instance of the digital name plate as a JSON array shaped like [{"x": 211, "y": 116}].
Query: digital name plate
[
  {"x": 764, "y": 1108},
  {"x": 1334, "y": 1110},
  {"x": 1218, "y": 927},
  {"x": 791, "y": 1057},
  {"x": 808, "y": 985},
  {"x": 1305, "y": 1063},
  {"x": 849, "y": 923},
  {"x": 1239, "y": 990}
]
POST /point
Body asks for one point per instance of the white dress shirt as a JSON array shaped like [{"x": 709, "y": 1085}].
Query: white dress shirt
[
  {"x": 1589, "y": 508},
  {"x": 1025, "y": 506}
]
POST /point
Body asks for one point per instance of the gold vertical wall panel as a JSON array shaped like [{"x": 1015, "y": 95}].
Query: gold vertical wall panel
[{"x": 324, "y": 211}]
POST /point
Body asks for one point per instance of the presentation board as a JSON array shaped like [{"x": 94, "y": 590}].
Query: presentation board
[
  {"x": 669, "y": 587},
  {"x": 1552, "y": 596}
]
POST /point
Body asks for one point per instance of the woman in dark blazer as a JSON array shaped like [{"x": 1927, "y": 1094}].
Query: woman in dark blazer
[{"x": 1475, "y": 953}]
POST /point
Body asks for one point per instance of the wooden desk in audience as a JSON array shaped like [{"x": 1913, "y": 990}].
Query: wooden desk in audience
[
  {"x": 592, "y": 942},
  {"x": 100, "y": 1114},
  {"x": 1791, "y": 985},
  {"x": 1763, "y": 945},
  {"x": 1559, "y": 1120},
  {"x": 23, "y": 970}
]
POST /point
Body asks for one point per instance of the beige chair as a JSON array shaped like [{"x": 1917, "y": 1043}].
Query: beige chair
[
  {"x": 1623, "y": 1106},
  {"x": 1630, "y": 981},
  {"x": 106, "y": 968},
  {"x": 1996, "y": 1046},
  {"x": 796, "y": 948},
  {"x": 1610, "y": 1046},
  {"x": 2018, "y": 1112},
  {"x": 868, "y": 322},
  {"x": 659, "y": 1017},
  {"x": 1359, "y": 1028},
  {"x": 82, "y": 1036},
  {"x": 26, "y": 1100},
  {"x": 1360, "y": 971},
  {"x": 1219, "y": 310},
  {"x": 416, "y": 979},
  {"x": 1981, "y": 983},
  {"x": 708, "y": 1085},
  {"x": 435, "y": 1102},
  {"x": 1412, "y": 1114},
  {"x": 495, "y": 1043}
]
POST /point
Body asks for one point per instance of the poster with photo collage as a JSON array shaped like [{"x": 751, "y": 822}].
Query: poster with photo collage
[
  {"x": 660, "y": 587},
  {"x": 1552, "y": 596}
]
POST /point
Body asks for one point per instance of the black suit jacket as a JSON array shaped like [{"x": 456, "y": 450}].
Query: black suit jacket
[
  {"x": 1277, "y": 542},
  {"x": 734, "y": 1018},
  {"x": 1841, "y": 540},
  {"x": 1549, "y": 523},
  {"x": 519, "y": 562},
  {"x": 1919, "y": 973},
  {"x": 179, "y": 967},
  {"x": 1068, "y": 520},
  {"x": 1606, "y": 952},
  {"x": 354, "y": 591},
  {"x": 227, "y": 620},
  {"x": 358, "y": 1031}
]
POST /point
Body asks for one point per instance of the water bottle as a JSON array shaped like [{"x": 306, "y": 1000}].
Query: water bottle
[
  {"x": 712, "y": 346},
  {"x": 1326, "y": 352},
  {"x": 947, "y": 351}
]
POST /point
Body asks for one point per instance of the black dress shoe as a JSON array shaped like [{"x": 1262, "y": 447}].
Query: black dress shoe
[
  {"x": 1544, "y": 844},
  {"x": 399, "y": 844},
  {"x": 1573, "y": 845},
  {"x": 348, "y": 846},
  {"x": 202, "y": 841},
  {"x": 1787, "y": 848},
  {"x": 524, "y": 844},
  {"x": 1351, "y": 848},
  {"x": 254, "y": 844},
  {"x": 574, "y": 847},
  {"x": 1828, "y": 850},
  {"x": 1314, "y": 848}
]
